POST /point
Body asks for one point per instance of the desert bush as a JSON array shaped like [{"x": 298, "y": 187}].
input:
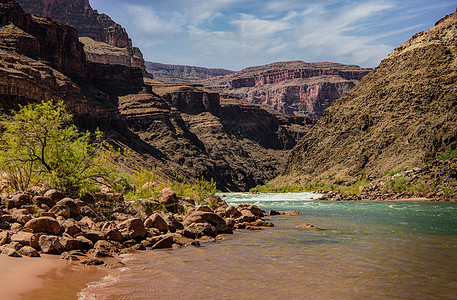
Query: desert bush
[{"x": 39, "y": 146}]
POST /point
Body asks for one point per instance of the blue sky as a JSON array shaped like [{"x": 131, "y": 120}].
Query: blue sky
[{"x": 235, "y": 34}]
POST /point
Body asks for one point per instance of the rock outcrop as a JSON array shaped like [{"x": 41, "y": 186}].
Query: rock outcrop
[
  {"x": 105, "y": 41},
  {"x": 294, "y": 88},
  {"x": 182, "y": 130},
  {"x": 178, "y": 73},
  {"x": 400, "y": 115}
]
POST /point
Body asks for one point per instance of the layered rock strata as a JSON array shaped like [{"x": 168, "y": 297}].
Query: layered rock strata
[
  {"x": 179, "y": 73},
  {"x": 402, "y": 114},
  {"x": 294, "y": 88},
  {"x": 105, "y": 41}
]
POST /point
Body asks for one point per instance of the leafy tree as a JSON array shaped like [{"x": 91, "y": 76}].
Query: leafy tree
[{"x": 39, "y": 146}]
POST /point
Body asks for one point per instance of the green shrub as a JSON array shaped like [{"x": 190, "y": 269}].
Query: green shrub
[
  {"x": 450, "y": 153},
  {"x": 393, "y": 172},
  {"x": 40, "y": 147}
]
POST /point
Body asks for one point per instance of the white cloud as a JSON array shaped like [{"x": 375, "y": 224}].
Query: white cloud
[{"x": 241, "y": 33}]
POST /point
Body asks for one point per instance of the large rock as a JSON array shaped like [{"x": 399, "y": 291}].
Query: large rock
[
  {"x": 213, "y": 219},
  {"x": 61, "y": 210},
  {"x": 111, "y": 232},
  {"x": 28, "y": 251},
  {"x": 5, "y": 238},
  {"x": 156, "y": 221},
  {"x": 18, "y": 200},
  {"x": 168, "y": 198},
  {"x": 75, "y": 210},
  {"x": 54, "y": 196},
  {"x": 21, "y": 216},
  {"x": 71, "y": 227},
  {"x": 104, "y": 249},
  {"x": 50, "y": 244},
  {"x": 85, "y": 243},
  {"x": 44, "y": 224},
  {"x": 69, "y": 243},
  {"x": 26, "y": 239},
  {"x": 132, "y": 229},
  {"x": 254, "y": 209}
]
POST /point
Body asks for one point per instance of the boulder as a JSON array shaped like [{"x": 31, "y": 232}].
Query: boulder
[
  {"x": 28, "y": 251},
  {"x": 86, "y": 224},
  {"x": 94, "y": 235},
  {"x": 50, "y": 244},
  {"x": 156, "y": 221},
  {"x": 69, "y": 256},
  {"x": 44, "y": 224},
  {"x": 92, "y": 262},
  {"x": 290, "y": 213},
  {"x": 195, "y": 230},
  {"x": 11, "y": 253},
  {"x": 13, "y": 245},
  {"x": 69, "y": 243},
  {"x": 85, "y": 243},
  {"x": 54, "y": 196},
  {"x": 110, "y": 231},
  {"x": 132, "y": 229},
  {"x": 166, "y": 241},
  {"x": 61, "y": 210},
  {"x": 246, "y": 216},
  {"x": 16, "y": 227},
  {"x": 273, "y": 213},
  {"x": 75, "y": 210},
  {"x": 168, "y": 198},
  {"x": 262, "y": 223},
  {"x": 104, "y": 249},
  {"x": 20, "y": 216},
  {"x": 71, "y": 227},
  {"x": 18, "y": 200},
  {"x": 26, "y": 239},
  {"x": 254, "y": 209},
  {"x": 232, "y": 212},
  {"x": 4, "y": 238},
  {"x": 41, "y": 200}
]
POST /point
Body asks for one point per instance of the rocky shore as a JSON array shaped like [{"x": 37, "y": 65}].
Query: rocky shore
[
  {"x": 436, "y": 181},
  {"x": 105, "y": 225}
]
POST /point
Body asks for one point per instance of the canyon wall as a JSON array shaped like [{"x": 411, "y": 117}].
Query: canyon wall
[
  {"x": 183, "y": 131},
  {"x": 99, "y": 29},
  {"x": 295, "y": 88},
  {"x": 402, "y": 114}
]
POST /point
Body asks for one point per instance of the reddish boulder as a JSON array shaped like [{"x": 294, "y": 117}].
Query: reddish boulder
[
  {"x": 44, "y": 224},
  {"x": 132, "y": 229},
  {"x": 50, "y": 244}
]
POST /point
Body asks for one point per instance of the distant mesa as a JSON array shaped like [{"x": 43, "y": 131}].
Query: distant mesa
[
  {"x": 295, "y": 88},
  {"x": 181, "y": 73}
]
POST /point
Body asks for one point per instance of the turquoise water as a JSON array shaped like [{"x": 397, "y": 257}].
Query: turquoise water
[{"x": 366, "y": 250}]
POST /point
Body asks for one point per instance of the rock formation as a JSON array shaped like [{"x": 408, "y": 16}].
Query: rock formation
[
  {"x": 177, "y": 73},
  {"x": 105, "y": 41},
  {"x": 181, "y": 130},
  {"x": 294, "y": 88},
  {"x": 400, "y": 115}
]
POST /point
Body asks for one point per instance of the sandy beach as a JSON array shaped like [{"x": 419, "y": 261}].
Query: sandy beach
[{"x": 47, "y": 277}]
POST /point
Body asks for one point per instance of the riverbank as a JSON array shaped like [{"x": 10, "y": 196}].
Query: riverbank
[{"x": 367, "y": 250}]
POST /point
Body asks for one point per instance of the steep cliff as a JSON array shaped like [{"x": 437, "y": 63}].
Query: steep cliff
[
  {"x": 178, "y": 73},
  {"x": 294, "y": 88},
  {"x": 400, "y": 115},
  {"x": 105, "y": 42},
  {"x": 181, "y": 130},
  {"x": 238, "y": 144}
]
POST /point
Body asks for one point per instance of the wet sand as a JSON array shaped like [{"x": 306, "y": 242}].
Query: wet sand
[
  {"x": 47, "y": 277},
  {"x": 20, "y": 275}
]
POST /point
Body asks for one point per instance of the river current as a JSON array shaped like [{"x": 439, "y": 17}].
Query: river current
[{"x": 367, "y": 250}]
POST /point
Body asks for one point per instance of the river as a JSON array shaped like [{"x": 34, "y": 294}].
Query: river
[{"x": 367, "y": 250}]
